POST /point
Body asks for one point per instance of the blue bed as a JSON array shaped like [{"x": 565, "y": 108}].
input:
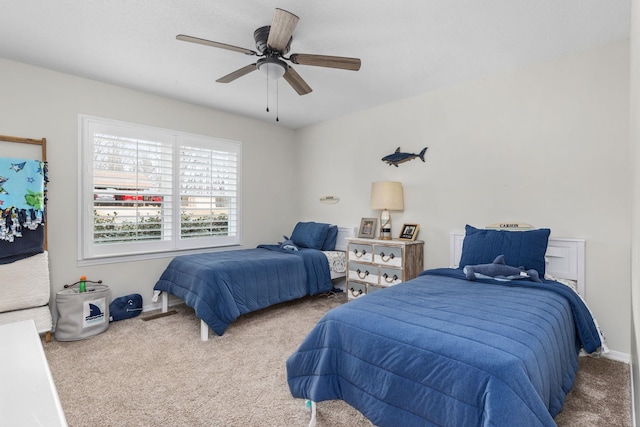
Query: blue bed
[
  {"x": 221, "y": 286},
  {"x": 443, "y": 350}
]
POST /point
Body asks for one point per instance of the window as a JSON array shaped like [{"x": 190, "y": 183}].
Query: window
[{"x": 147, "y": 190}]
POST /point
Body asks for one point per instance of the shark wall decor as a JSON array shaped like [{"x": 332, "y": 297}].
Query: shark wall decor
[{"x": 398, "y": 157}]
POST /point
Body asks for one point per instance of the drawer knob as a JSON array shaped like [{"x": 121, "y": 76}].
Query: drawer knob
[
  {"x": 362, "y": 274},
  {"x": 386, "y": 258},
  {"x": 359, "y": 254},
  {"x": 389, "y": 279},
  {"x": 356, "y": 293}
]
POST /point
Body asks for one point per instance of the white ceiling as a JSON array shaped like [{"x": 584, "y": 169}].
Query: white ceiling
[{"x": 407, "y": 47}]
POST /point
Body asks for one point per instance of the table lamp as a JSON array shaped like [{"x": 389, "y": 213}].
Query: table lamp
[{"x": 388, "y": 196}]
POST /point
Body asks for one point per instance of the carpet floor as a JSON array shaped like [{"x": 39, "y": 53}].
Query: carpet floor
[{"x": 159, "y": 373}]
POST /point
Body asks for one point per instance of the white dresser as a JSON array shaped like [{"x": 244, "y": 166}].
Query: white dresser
[
  {"x": 376, "y": 264},
  {"x": 28, "y": 396}
]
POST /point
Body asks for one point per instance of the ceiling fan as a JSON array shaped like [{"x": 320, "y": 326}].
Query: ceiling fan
[{"x": 273, "y": 42}]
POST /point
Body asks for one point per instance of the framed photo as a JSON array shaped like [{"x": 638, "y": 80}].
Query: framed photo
[
  {"x": 367, "y": 228},
  {"x": 409, "y": 232}
]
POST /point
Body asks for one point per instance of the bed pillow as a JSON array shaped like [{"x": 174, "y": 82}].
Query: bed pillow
[
  {"x": 520, "y": 248},
  {"x": 310, "y": 234},
  {"x": 331, "y": 239}
]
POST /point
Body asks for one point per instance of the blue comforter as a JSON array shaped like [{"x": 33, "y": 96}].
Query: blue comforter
[
  {"x": 221, "y": 286},
  {"x": 440, "y": 350}
]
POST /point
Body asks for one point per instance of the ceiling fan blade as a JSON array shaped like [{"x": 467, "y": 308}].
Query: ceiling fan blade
[
  {"x": 205, "y": 42},
  {"x": 341, "y": 62},
  {"x": 281, "y": 30},
  {"x": 296, "y": 82},
  {"x": 237, "y": 74}
]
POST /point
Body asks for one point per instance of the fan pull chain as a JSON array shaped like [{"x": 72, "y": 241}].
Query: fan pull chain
[
  {"x": 278, "y": 100},
  {"x": 267, "y": 94}
]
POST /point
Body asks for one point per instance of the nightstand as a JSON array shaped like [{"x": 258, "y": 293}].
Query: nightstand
[{"x": 377, "y": 264}]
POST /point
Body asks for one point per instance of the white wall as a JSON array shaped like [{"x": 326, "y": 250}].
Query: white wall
[
  {"x": 547, "y": 145},
  {"x": 635, "y": 199},
  {"x": 38, "y": 103}
]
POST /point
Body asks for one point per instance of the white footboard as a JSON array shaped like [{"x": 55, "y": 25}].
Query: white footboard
[
  {"x": 312, "y": 405},
  {"x": 165, "y": 301},
  {"x": 204, "y": 331},
  {"x": 204, "y": 328}
]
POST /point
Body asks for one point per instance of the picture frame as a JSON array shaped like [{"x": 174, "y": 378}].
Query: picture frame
[
  {"x": 367, "y": 228},
  {"x": 409, "y": 232}
]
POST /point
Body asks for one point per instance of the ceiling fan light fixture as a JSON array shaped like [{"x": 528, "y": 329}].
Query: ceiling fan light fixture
[
  {"x": 273, "y": 68},
  {"x": 273, "y": 42}
]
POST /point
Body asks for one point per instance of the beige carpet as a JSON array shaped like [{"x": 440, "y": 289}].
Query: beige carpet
[{"x": 159, "y": 373}]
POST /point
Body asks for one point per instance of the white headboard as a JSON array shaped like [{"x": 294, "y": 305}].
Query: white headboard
[
  {"x": 343, "y": 234},
  {"x": 564, "y": 258}
]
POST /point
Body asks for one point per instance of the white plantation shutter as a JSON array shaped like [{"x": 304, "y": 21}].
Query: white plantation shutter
[
  {"x": 208, "y": 190},
  {"x": 132, "y": 180},
  {"x": 148, "y": 190}
]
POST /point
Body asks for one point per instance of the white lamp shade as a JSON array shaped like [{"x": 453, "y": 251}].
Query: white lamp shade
[{"x": 387, "y": 195}]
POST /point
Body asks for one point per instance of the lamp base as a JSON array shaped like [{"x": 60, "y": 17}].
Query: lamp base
[
  {"x": 385, "y": 225},
  {"x": 385, "y": 234}
]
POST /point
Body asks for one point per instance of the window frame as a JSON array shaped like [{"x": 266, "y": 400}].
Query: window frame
[{"x": 90, "y": 253}]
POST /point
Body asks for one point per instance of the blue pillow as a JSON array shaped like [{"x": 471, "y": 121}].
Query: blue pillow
[
  {"x": 331, "y": 239},
  {"x": 520, "y": 248},
  {"x": 310, "y": 234}
]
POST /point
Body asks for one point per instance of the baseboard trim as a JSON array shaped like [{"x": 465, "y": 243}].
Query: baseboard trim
[
  {"x": 618, "y": 356},
  {"x": 173, "y": 300}
]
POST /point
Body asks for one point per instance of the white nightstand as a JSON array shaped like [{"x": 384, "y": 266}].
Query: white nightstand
[{"x": 376, "y": 264}]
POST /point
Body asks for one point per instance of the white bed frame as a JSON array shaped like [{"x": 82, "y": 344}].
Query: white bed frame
[
  {"x": 344, "y": 233},
  {"x": 341, "y": 245},
  {"x": 564, "y": 258}
]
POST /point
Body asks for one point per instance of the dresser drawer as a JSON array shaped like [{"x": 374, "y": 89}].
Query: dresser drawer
[
  {"x": 363, "y": 272},
  {"x": 356, "y": 290},
  {"x": 372, "y": 289},
  {"x": 388, "y": 256},
  {"x": 375, "y": 264},
  {"x": 360, "y": 252},
  {"x": 390, "y": 276}
]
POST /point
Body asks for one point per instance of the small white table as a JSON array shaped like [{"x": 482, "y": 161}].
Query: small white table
[{"x": 28, "y": 396}]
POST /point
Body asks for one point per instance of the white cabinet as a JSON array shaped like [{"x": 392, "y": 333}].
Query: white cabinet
[{"x": 28, "y": 396}]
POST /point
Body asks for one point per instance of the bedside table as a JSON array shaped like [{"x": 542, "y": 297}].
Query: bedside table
[{"x": 377, "y": 264}]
